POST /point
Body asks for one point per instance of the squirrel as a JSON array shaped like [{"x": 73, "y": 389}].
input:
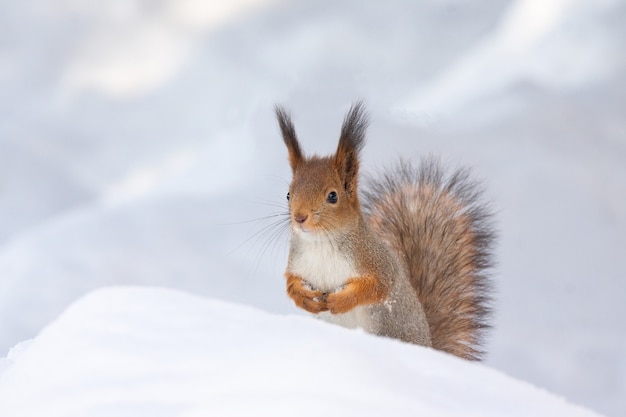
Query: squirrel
[{"x": 410, "y": 260}]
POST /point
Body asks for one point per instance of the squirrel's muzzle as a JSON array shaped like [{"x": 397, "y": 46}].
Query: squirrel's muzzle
[{"x": 300, "y": 218}]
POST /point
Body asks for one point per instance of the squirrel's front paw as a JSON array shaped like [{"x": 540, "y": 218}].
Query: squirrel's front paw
[
  {"x": 304, "y": 296},
  {"x": 362, "y": 290},
  {"x": 342, "y": 300}
]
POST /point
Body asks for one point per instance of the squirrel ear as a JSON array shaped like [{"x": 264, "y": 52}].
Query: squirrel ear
[
  {"x": 351, "y": 142},
  {"x": 289, "y": 136}
]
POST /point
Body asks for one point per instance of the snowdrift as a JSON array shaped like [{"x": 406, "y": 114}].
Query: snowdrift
[{"x": 126, "y": 351}]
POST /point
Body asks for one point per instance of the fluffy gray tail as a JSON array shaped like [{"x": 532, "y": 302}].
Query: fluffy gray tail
[{"x": 444, "y": 235}]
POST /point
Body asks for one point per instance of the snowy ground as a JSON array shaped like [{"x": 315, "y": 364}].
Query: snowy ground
[
  {"x": 155, "y": 352},
  {"x": 136, "y": 135}
]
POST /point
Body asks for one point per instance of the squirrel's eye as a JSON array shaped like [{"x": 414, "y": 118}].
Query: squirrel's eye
[
  {"x": 288, "y": 196},
  {"x": 332, "y": 197}
]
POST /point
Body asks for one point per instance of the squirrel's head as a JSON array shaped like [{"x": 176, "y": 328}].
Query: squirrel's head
[{"x": 323, "y": 192}]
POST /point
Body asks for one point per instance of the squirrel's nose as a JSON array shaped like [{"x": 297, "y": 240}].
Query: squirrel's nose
[{"x": 300, "y": 218}]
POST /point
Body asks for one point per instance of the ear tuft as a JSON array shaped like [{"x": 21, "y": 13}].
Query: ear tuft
[
  {"x": 351, "y": 141},
  {"x": 353, "y": 129},
  {"x": 289, "y": 136}
]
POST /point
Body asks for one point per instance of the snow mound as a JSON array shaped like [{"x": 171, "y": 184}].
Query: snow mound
[{"x": 157, "y": 352}]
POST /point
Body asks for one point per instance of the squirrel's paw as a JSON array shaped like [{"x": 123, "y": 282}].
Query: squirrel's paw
[
  {"x": 357, "y": 291},
  {"x": 304, "y": 296},
  {"x": 343, "y": 299}
]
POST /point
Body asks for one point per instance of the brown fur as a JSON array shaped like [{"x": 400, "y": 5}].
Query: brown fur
[
  {"x": 444, "y": 234},
  {"x": 357, "y": 291},
  {"x": 366, "y": 289},
  {"x": 308, "y": 299},
  {"x": 313, "y": 179},
  {"x": 420, "y": 248},
  {"x": 289, "y": 136}
]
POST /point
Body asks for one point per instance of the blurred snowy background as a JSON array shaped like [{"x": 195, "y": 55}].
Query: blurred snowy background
[{"x": 137, "y": 136}]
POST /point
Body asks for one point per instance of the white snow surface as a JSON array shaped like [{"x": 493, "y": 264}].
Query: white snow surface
[
  {"x": 160, "y": 352},
  {"x": 138, "y": 146}
]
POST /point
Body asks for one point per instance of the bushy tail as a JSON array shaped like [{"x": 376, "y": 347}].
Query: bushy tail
[{"x": 444, "y": 234}]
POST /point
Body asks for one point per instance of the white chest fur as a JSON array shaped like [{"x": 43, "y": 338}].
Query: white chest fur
[{"x": 320, "y": 263}]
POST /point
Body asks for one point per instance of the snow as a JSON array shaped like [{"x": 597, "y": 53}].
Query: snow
[
  {"x": 533, "y": 42},
  {"x": 137, "y": 144},
  {"x": 145, "y": 351}
]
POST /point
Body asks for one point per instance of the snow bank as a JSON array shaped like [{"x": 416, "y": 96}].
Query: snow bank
[{"x": 128, "y": 351}]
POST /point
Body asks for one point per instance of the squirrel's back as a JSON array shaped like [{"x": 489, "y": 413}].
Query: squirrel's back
[{"x": 443, "y": 234}]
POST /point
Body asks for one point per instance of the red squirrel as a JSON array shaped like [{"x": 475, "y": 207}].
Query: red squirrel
[{"x": 409, "y": 259}]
